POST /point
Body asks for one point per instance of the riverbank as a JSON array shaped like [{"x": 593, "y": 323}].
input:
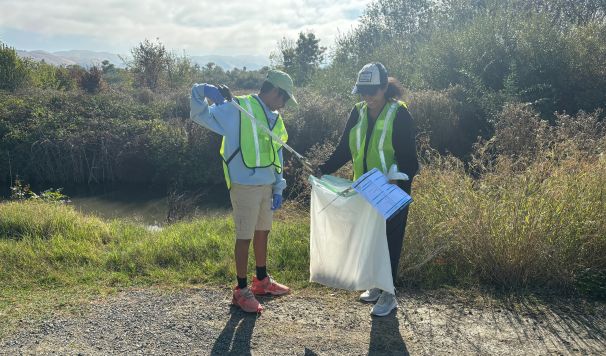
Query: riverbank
[{"x": 56, "y": 261}]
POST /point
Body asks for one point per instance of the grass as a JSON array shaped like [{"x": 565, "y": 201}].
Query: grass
[
  {"x": 51, "y": 256},
  {"x": 53, "y": 245},
  {"x": 541, "y": 228}
]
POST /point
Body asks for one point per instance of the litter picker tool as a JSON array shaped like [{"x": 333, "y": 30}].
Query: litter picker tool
[{"x": 254, "y": 121}]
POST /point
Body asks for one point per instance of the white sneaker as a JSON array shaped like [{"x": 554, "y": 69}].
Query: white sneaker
[
  {"x": 386, "y": 303},
  {"x": 370, "y": 295}
]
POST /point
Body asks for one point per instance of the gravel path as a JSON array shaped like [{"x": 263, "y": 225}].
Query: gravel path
[{"x": 313, "y": 322}]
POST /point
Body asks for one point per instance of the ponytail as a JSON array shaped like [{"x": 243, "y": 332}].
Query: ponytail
[{"x": 395, "y": 90}]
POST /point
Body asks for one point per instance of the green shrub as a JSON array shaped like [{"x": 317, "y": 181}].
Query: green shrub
[{"x": 13, "y": 72}]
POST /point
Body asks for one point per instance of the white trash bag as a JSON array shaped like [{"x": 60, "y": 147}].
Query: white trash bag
[{"x": 348, "y": 243}]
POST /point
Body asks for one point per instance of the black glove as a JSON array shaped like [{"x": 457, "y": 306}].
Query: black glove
[{"x": 224, "y": 90}]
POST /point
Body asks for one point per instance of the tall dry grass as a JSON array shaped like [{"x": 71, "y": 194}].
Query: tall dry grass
[{"x": 534, "y": 217}]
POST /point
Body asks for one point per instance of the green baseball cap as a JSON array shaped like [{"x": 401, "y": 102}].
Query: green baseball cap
[{"x": 283, "y": 81}]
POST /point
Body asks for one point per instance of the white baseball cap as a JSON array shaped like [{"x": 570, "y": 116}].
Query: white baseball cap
[{"x": 370, "y": 78}]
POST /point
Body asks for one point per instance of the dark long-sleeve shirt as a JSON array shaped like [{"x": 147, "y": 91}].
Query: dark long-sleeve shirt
[{"x": 403, "y": 141}]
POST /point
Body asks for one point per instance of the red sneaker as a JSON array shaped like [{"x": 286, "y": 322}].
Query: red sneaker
[
  {"x": 244, "y": 299},
  {"x": 268, "y": 286}
]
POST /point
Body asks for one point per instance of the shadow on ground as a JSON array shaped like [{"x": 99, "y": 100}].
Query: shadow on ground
[{"x": 235, "y": 339}]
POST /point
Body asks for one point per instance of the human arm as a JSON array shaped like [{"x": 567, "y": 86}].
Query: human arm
[
  {"x": 278, "y": 186},
  {"x": 279, "y": 183},
  {"x": 214, "y": 117},
  {"x": 342, "y": 153},
  {"x": 404, "y": 144}
]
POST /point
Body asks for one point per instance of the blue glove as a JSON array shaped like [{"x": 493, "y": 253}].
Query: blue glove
[
  {"x": 213, "y": 93},
  {"x": 276, "y": 202}
]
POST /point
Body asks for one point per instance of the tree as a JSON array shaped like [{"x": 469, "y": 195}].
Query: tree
[
  {"x": 300, "y": 59},
  {"x": 92, "y": 80},
  {"x": 150, "y": 62},
  {"x": 212, "y": 73},
  {"x": 13, "y": 72},
  {"x": 181, "y": 71},
  {"x": 309, "y": 55}
]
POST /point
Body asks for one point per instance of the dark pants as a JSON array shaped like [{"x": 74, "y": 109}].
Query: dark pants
[{"x": 395, "y": 228}]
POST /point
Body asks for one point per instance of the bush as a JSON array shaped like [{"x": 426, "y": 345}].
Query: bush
[
  {"x": 452, "y": 124},
  {"x": 523, "y": 137},
  {"x": 13, "y": 72},
  {"x": 92, "y": 81},
  {"x": 537, "y": 228}
]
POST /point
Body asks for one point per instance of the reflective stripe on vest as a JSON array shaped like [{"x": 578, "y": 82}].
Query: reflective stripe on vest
[
  {"x": 380, "y": 152},
  {"x": 257, "y": 148},
  {"x": 255, "y": 135},
  {"x": 386, "y": 127}
]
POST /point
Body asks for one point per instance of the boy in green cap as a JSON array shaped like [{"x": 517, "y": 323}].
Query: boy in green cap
[{"x": 253, "y": 165}]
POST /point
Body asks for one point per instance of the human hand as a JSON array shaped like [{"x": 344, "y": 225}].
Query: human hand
[
  {"x": 318, "y": 172},
  {"x": 311, "y": 169},
  {"x": 225, "y": 92},
  {"x": 212, "y": 92},
  {"x": 276, "y": 202}
]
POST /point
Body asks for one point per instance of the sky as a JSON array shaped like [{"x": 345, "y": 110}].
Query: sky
[{"x": 200, "y": 27}]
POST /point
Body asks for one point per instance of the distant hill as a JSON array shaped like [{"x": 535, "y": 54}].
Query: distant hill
[
  {"x": 89, "y": 58},
  {"x": 231, "y": 62},
  {"x": 83, "y": 58},
  {"x": 45, "y": 56}
]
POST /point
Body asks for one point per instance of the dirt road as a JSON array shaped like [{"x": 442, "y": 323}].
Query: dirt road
[{"x": 314, "y": 322}]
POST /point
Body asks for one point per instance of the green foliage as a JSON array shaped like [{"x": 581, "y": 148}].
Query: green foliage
[
  {"x": 150, "y": 63},
  {"x": 35, "y": 220},
  {"x": 548, "y": 54},
  {"x": 316, "y": 120},
  {"x": 530, "y": 229},
  {"x": 42, "y": 75},
  {"x": 181, "y": 72},
  {"x": 402, "y": 23},
  {"x": 447, "y": 120},
  {"x": 116, "y": 77},
  {"x": 59, "y": 138},
  {"x": 13, "y": 72},
  {"x": 92, "y": 80},
  {"x": 47, "y": 245},
  {"x": 245, "y": 79},
  {"x": 301, "y": 59},
  {"x": 530, "y": 217},
  {"x": 68, "y": 77},
  {"x": 212, "y": 73},
  {"x": 539, "y": 227},
  {"x": 21, "y": 191}
]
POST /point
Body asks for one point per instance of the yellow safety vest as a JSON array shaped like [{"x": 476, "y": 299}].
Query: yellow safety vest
[
  {"x": 257, "y": 147},
  {"x": 380, "y": 152}
]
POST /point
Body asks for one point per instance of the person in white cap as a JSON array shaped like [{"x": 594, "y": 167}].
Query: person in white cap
[
  {"x": 380, "y": 132},
  {"x": 252, "y": 165}
]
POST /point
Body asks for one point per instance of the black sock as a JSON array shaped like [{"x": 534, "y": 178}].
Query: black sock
[
  {"x": 242, "y": 282},
  {"x": 261, "y": 272}
]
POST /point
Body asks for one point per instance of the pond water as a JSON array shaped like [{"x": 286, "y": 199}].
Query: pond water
[{"x": 139, "y": 203}]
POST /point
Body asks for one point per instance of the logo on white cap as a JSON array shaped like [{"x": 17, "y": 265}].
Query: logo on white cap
[{"x": 369, "y": 75}]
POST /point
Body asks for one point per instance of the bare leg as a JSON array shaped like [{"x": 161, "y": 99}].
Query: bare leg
[
  {"x": 241, "y": 253},
  {"x": 260, "y": 247}
]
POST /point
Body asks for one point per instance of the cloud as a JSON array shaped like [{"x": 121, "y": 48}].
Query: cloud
[{"x": 198, "y": 27}]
